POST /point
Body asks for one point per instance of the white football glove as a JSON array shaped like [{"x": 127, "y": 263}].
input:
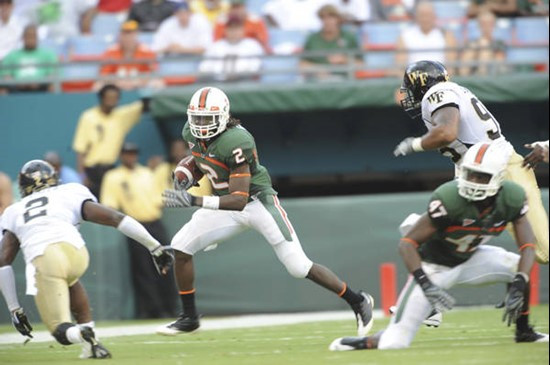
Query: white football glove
[
  {"x": 177, "y": 199},
  {"x": 404, "y": 148}
]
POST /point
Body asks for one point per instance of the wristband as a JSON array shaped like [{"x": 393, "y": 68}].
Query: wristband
[
  {"x": 417, "y": 145},
  {"x": 211, "y": 202},
  {"x": 421, "y": 278}
]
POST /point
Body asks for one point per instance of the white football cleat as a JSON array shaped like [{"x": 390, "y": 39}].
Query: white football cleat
[
  {"x": 348, "y": 344},
  {"x": 434, "y": 319}
]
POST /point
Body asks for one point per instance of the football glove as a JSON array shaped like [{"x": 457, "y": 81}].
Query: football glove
[
  {"x": 404, "y": 148},
  {"x": 163, "y": 258},
  {"x": 21, "y": 322},
  {"x": 513, "y": 302},
  {"x": 177, "y": 199},
  {"x": 438, "y": 297}
]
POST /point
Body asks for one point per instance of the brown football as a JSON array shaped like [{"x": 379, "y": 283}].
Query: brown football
[{"x": 187, "y": 170}]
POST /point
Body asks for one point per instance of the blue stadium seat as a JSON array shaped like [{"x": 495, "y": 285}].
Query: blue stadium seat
[
  {"x": 503, "y": 30},
  {"x": 105, "y": 24},
  {"x": 532, "y": 30},
  {"x": 447, "y": 10},
  {"x": 279, "y": 38},
  {"x": 381, "y": 34},
  {"x": 88, "y": 46},
  {"x": 527, "y": 55},
  {"x": 80, "y": 71},
  {"x": 284, "y": 69},
  {"x": 146, "y": 38},
  {"x": 457, "y": 29},
  {"x": 177, "y": 67},
  {"x": 60, "y": 47},
  {"x": 379, "y": 60},
  {"x": 255, "y": 6}
]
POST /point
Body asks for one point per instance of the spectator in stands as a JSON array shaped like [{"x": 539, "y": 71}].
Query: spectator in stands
[
  {"x": 183, "y": 33},
  {"x": 293, "y": 14},
  {"x": 211, "y": 9},
  {"x": 533, "y": 7},
  {"x": 254, "y": 27},
  {"x": 233, "y": 58},
  {"x": 100, "y": 133},
  {"x": 32, "y": 64},
  {"x": 139, "y": 61},
  {"x": 130, "y": 188},
  {"x": 150, "y": 13},
  {"x": 490, "y": 53},
  {"x": 339, "y": 44},
  {"x": 6, "y": 193},
  {"x": 392, "y": 10},
  {"x": 425, "y": 41},
  {"x": 498, "y": 7},
  {"x": 353, "y": 12},
  {"x": 66, "y": 174},
  {"x": 62, "y": 19},
  {"x": 11, "y": 28},
  {"x": 163, "y": 172}
]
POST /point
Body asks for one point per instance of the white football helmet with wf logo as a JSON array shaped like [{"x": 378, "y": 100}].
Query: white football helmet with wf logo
[
  {"x": 208, "y": 112},
  {"x": 483, "y": 169}
]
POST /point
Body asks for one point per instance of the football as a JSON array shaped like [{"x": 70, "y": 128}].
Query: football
[{"x": 186, "y": 173}]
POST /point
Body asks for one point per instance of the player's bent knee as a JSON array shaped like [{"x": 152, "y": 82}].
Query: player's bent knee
[
  {"x": 60, "y": 333},
  {"x": 297, "y": 265}
]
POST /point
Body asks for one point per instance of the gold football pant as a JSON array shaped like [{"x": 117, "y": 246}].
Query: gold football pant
[
  {"x": 537, "y": 214},
  {"x": 59, "y": 268}
]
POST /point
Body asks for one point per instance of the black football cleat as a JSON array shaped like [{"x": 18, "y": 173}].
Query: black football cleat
[
  {"x": 98, "y": 351},
  {"x": 184, "y": 324},
  {"x": 530, "y": 335},
  {"x": 348, "y": 344},
  {"x": 363, "y": 314}
]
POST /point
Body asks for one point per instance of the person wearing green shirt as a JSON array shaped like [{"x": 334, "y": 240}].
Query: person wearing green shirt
[
  {"x": 341, "y": 46},
  {"x": 31, "y": 63}
]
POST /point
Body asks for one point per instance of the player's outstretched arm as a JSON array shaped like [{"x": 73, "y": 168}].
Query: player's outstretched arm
[
  {"x": 10, "y": 246},
  {"x": 97, "y": 213},
  {"x": 408, "y": 249},
  {"x": 447, "y": 120},
  {"x": 538, "y": 154},
  {"x": 239, "y": 186}
]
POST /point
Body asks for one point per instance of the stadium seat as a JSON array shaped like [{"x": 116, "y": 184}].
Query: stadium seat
[
  {"x": 178, "y": 71},
  {"x": 60, "y": 47},
  {"x": 146, "y": 38},
  {"x": 88, "y": 47},
  {"x": 79, "y": 77},
  {"x": 448, "y": 10},
  {"x": 503, "y": 30},
  {"x": 528, "y": 55},
  {"x": 286, "y": 41},
  {"x": 378, "y": 60},
  {"x": 457, "y": 29},
  {"x": 532, "y": 30},
  {"x": 255, "y": 6},
  {"x": 105, "y": 24},
  {"x": 280, "y": 69},
  {"x": 381, "y": 35}
]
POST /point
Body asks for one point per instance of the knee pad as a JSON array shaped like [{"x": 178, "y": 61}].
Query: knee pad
[
  {"x": 293, "y": 257},
  {"x": 60, "y": 333}
]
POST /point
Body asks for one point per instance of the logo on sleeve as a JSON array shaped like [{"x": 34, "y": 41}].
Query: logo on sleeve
[
  {"x": 467, "y": 222},
  {"x": 191, "y": 145},
  {"x": 436, "y": 97}
]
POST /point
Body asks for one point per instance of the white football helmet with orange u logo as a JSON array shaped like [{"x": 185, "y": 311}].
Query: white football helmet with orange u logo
[{"x": 208, "y": 112}]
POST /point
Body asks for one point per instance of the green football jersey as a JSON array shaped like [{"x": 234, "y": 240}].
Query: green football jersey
[
  {"x": 232, "y": 148},
  {"x": 461, "y": 227}
]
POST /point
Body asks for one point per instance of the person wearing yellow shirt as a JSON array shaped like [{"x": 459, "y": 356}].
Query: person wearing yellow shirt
[
  {"x": 211, "y": 9},
  {"x": 100, "y": 133},
  {"x": 163, "y": 172},
  {"x": 130, "y": 188}
]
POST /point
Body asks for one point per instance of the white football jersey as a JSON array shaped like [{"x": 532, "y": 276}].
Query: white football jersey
[
  {"x": 477, "y": 124},
  {"x": 48, "y": 216}
]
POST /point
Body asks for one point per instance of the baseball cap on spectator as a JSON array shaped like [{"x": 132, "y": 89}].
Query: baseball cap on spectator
[
  {"x": 182, "y": 6},
  {"x": 129, "y": 26},
  {"x": 234, "y": 20},
  {"x": 129, "y": 147},
  {"x": 330, "y": 10}
]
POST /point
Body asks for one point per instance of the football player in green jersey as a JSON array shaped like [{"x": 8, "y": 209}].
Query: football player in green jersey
[
  {"x": 243, "y": 198},
  {"x": 445, "y": 248}
]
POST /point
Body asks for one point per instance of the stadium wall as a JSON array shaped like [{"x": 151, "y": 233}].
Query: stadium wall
[{"x": 351, "y": 235}]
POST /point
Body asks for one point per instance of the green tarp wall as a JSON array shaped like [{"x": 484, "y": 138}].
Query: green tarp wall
[{"x": 351, "y": 235}]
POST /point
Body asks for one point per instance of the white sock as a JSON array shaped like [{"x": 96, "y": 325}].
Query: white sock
[
  {"x": 89, "y": 324},
  {"x": 73, "y": 334}
]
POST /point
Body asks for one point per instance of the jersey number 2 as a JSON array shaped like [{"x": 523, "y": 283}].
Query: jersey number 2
[{"x": 35, "y": 208}]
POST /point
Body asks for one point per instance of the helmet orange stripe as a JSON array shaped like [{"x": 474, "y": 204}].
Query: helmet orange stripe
[
  {"x": 202, "y": 99},
  {"x": 481, "y": 153}
]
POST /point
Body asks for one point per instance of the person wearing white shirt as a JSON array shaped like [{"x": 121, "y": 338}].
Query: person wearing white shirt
[
  {"x": 233, "y": 58},
  {"x": 11, "y": 28},
  {"x": 183, "y": 33},
  {"x": 293, "y": 14}
]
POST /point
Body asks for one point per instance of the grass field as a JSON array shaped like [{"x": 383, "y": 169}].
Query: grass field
[{"x": 474, "y": 336}]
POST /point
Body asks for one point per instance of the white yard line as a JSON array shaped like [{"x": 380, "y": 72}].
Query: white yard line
[{"x": 245, "y": 321}]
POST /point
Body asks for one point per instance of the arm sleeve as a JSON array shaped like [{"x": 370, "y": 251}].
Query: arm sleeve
[
  {"x": 79, "y": 194},
  {"x": 438, "y": 212},
  {"x": 7, "y": 285},
  {"x": 440, "y": 98},
  {"x": 240, "y": 151}
]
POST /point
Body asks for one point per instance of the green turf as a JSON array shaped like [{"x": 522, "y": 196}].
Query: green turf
[{"x": 466, "y": 337}]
